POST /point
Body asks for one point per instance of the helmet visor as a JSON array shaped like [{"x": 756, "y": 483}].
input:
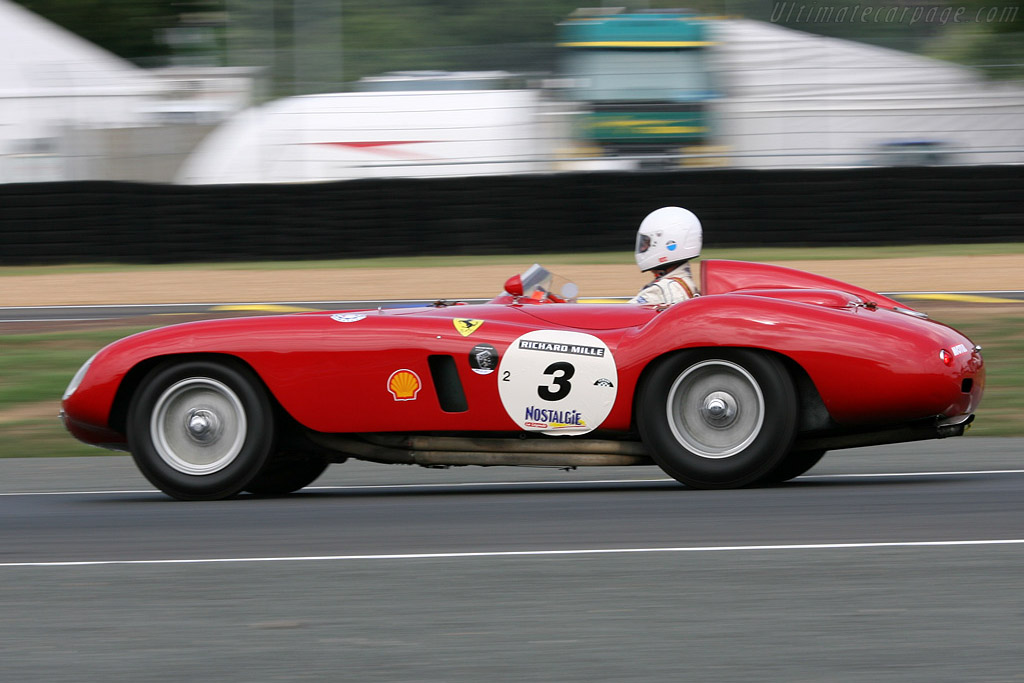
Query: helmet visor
[{"x": 643, "y": 243}]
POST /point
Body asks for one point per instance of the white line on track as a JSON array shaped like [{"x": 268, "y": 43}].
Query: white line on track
[
  {"x": 495, "y": 484},
  {"x": 51, "y": 320},
  {"x": 869, "y": 475},
  {"x": 526, "y": 553},
  {"x": 74, "y": 493}
]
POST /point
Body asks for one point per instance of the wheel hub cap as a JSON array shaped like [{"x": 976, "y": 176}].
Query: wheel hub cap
[
  {"x": 719, "y": 409},
  {"x": 715, "y": 409},
  {"x": 198, "y": 426},
  {"x": 203, "y": 426}
]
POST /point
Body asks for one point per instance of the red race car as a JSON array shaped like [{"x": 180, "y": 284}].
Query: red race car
[{"x": 748, "y": 384}]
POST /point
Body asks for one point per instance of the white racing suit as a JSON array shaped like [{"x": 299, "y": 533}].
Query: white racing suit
[{"x": 674, "y": 286}]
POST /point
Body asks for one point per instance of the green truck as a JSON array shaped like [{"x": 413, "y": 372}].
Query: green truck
[{"x": 644, "y": 81}]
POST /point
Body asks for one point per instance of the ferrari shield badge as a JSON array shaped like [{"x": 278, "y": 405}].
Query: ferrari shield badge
[
  {"x": 557, "y": 382},
  {"x": 466, "y": 326}
]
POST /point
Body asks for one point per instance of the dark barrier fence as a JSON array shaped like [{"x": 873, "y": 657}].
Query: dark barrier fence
[{"x": 126, "y": 222}]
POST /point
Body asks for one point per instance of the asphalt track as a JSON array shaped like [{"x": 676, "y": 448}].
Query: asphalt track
[
  {"x": 45, "y": 314},
  {"x": 898, "y": 562},
  {"x": 891, "y": 563}
]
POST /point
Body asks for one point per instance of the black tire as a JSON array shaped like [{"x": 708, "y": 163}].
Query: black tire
[
  {"x": 285, "y": 473},
  {"x": 793, "y": 465},
  {"x": 717, "y": 419},
  {"x": 201, "y": 430}
]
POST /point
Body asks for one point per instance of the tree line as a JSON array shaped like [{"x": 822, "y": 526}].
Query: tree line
[{"x": 322, "y": 45}]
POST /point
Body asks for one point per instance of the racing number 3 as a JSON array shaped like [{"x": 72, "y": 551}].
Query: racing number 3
[
  {"x": 549, "y": 375},
  {"x": 562, "y": 381}
]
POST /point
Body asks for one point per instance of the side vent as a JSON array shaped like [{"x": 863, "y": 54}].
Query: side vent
[{"x": 447, "y": 384}]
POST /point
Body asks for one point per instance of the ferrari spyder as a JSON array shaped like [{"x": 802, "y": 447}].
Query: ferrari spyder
[{"x": 749, "y": 384}]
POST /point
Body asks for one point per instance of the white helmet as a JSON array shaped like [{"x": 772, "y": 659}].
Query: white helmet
[{"x": 666, "y": 236}]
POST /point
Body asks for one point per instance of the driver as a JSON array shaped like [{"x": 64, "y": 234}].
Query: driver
[{"x": 666, "y": 241}]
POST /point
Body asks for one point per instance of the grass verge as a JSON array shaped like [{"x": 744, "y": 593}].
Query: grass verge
[
  {"x": 600, "y": 258},
  {"x": 35, "y": 369}
]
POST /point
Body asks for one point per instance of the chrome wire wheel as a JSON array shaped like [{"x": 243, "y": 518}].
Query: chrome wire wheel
[
  {"x": 201, "y": 428},
  {"x": 715, "y": 409},
  {"x": 198, "y": 426},
  {"x": 717, "y": 418}
]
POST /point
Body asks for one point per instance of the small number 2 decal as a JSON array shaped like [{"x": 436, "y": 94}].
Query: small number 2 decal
[{"x": 505, "y": 375}]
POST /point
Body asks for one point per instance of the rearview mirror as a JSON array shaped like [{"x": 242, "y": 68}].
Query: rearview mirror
[{"x": 514, "y": 285}]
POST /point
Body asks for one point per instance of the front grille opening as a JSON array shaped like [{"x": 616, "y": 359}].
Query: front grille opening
[
  {"x": 447, "y": 384},
  {"x": 967, "y": 385}
]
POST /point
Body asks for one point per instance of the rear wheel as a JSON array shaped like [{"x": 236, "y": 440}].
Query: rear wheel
[
  {"x": 718, "y": 419},
  {"x": 201, "y": 430}
]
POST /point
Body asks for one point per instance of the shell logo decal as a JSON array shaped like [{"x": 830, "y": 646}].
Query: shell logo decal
[{"x": 404, "y": 385}]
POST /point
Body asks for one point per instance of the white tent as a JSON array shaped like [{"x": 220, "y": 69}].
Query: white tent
[
  {"x": 51, "y": 80},
  {"x": 341, "y": 136},
  {"x": 799, "y": 99}
]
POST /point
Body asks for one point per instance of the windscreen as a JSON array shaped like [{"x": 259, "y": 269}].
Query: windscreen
[
  {"x": 539, "y": 283},
  {"x": 655, "y": 75}
]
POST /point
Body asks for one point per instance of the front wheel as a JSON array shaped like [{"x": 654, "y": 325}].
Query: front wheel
[
  {"x": 793, "y": 465},
  {"x": 719, "y": 418},
  {"x": 285, "y": 473},
  {"x": 201, "y": 430}
]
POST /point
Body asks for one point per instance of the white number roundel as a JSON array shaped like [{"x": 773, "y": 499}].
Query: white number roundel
[{"x": 558, "y": 382}]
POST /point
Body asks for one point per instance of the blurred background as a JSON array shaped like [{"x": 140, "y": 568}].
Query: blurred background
[
  {"x": 247, "y": 142},
  {"x": 255, "y": 91}
]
